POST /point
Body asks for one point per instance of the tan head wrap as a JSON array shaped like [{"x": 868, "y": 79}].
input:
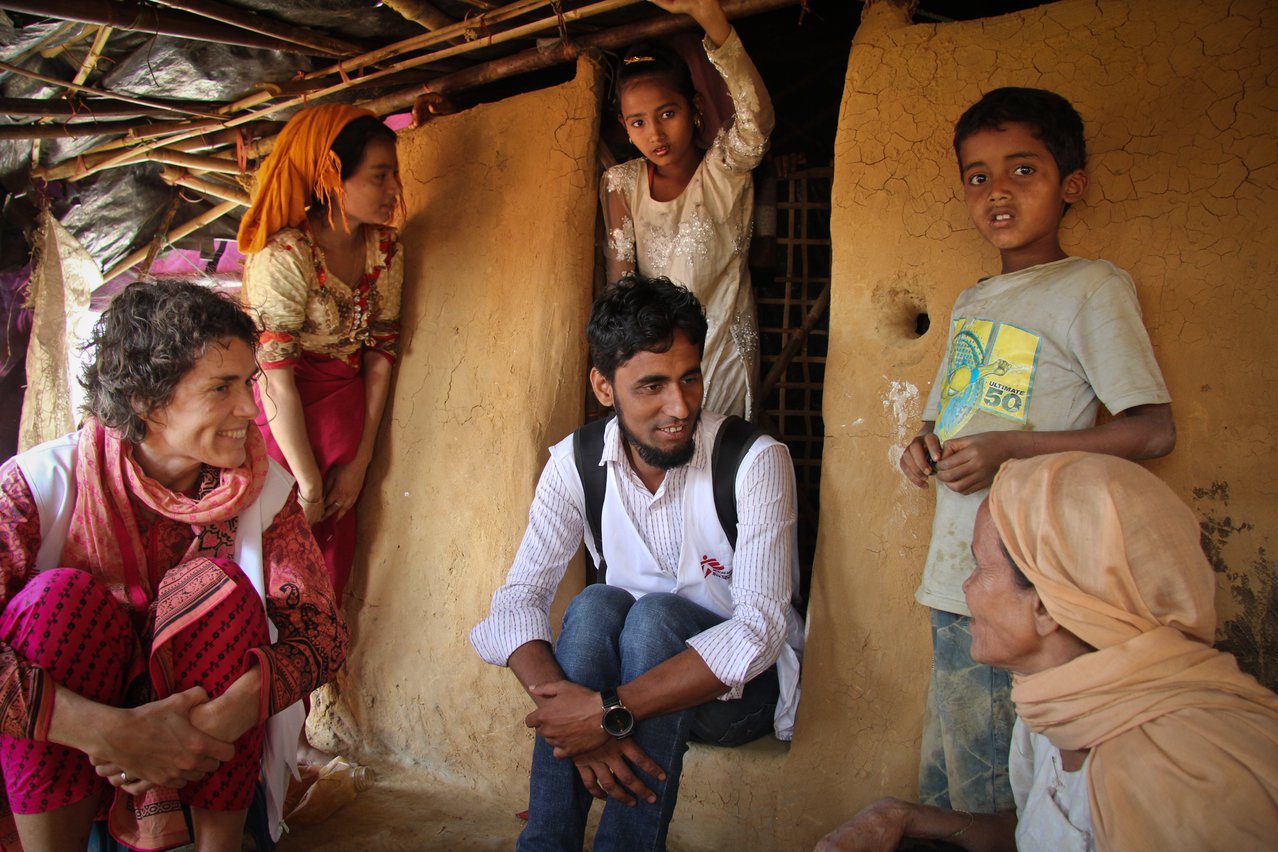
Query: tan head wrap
[
  {"x": 1184, "y": 746},
  {"x": 300, "y": 170}
]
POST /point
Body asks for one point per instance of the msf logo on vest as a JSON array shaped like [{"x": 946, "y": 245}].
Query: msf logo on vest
[{"x": 710, "y": 565}]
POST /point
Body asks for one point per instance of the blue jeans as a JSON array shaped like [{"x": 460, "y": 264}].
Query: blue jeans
[
  {"x": 609, "y": 639},
  {"x": 967, "y": 729}
]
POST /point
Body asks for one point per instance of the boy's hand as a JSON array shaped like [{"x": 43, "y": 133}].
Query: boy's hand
[
  {"x": 969, "y": 463},
  {"x": 918, "y": 462}
]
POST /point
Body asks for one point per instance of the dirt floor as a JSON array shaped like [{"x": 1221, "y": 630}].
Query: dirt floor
[{"x": 404, "y": 812}]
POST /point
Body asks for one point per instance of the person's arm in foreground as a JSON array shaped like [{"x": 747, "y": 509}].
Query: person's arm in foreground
[
  {"x": 881, "y": 826},
  {"x": 969, "y": 463}
]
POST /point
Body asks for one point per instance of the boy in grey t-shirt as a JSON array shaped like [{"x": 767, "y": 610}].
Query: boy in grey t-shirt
[{"x": 1032, "y": 353}]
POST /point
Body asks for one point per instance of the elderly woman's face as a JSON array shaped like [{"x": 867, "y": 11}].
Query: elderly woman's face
[
  {"x": 206, "y": 422},
  {"x": 1004, "y": 632}
]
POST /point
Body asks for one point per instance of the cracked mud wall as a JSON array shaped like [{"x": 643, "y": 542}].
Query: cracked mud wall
[
  {"x": 499, "y": 244},
  {"x": 1181, "y": 104}
]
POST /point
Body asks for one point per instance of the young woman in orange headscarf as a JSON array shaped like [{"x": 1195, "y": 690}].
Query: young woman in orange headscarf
[
  {"x": 1133, "y": 732},
  {"x": 323, "y": 279}
]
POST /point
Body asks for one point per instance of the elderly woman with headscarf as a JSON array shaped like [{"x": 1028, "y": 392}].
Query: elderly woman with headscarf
[
  {"x": 1133, "y": 732},
  {"x": 165, "y": 606},
  {"x": 323, "y": 278}
]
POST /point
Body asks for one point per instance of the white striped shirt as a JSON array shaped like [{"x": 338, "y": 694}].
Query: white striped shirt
[{"x": 738, "y": 649}]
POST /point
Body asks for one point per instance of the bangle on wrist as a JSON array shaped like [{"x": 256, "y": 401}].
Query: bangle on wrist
[
  {"x": 970, "y": 819},
  {"x": 304, "y": 500}
]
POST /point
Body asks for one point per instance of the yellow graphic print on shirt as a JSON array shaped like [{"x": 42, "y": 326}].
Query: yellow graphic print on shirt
[{"x": 991, "y": 369}]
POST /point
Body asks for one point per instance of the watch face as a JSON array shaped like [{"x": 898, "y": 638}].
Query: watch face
[{"x": 618, "y": 721}]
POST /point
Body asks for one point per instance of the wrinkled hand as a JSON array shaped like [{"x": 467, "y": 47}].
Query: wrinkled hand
[
  {"x": 916, "y": 461},
  {"x": 879, "y": 827},
  {"x": 158, "y": 744},
  {"x": 969, "y": 464},
  {"x": 569, "y": 717},
  {"x": 609, "y": 771},
  {"x": 342, "y": 487}
]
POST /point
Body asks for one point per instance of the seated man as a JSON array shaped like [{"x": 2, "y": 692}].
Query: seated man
[{"x": 689, "y": 636}]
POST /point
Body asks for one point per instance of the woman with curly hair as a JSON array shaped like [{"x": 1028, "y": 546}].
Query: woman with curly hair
[
  {"x": 165, "y": 607},
  {"x": 323, "y": 278}
]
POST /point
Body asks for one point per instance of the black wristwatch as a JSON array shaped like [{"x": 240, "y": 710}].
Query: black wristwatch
[{"x": 617, "y": 718}]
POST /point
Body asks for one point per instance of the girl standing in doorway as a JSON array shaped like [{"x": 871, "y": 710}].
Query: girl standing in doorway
[
  {"x": 324, "y": 276},
  {"x": 683, "y": 211}
]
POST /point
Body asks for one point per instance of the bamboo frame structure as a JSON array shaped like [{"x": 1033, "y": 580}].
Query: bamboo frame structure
[
  {"x": 185, "y": 229},
  {"x": 206, "y": 127}
]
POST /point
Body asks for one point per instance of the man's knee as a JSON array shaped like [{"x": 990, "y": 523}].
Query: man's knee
[
  {"x": 600, "y": 608},
  {"x": 660, "y": 624}
]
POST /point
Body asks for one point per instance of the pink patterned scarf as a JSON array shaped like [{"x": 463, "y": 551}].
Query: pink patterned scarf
[{"x": 104, "y": 538}]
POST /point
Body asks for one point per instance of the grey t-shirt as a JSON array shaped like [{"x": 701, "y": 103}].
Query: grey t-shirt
[{"x": 1038, "y": 349}]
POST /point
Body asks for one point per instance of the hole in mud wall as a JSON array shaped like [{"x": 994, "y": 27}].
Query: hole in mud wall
[{"x": 922, "y": 323}]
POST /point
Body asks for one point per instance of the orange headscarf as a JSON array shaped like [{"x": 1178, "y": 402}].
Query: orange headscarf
[
  {"x": 1184, "y": 746},
  {"x": 300, "y": 170}
]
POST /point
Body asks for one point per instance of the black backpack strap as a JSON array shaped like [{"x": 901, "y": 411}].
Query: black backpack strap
[
  {"x": 736, "y": 437},
  {"x": 587, "y": 452}
]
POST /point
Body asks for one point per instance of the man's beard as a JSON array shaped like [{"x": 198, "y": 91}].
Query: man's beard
[{"x": 662, "y": 459}]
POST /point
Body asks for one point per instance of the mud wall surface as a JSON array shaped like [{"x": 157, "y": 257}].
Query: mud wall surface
[
  {"x": 1182, "y": 128},
  {"x": 499, "y": 248}
]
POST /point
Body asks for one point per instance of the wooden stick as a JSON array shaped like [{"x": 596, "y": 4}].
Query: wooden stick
[
  {"x": 212, "y": 214},
  {"x": 264, "y": 25},
  {"x": 182, "y": 177},
  {"x": 73, "y": 107},
  {"x": 91, "y": 58}
]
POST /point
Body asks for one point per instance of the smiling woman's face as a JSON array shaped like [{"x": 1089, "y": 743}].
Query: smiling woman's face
[
  {"x": 206, "y": 422},
  {"x": 1004, "y": 632}
]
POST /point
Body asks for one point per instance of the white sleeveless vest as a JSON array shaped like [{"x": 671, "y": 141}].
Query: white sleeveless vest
[
  {"x": 705, "y": 555},
  {"x": 49, "y": 470}
]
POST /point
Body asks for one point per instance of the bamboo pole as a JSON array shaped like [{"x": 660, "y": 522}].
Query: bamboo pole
[
  {"x": 128, "y": 99},
  {"x": 181, "y": 177},
  {"x": 125, "y": 15},
  {"x": 72, "y": 108},
  {"x": 538, "y": 58},
  {"x": 265, "y": 26},
  {"x": 91, "y": 58},
  {"x": 461, "y": 29},
  {"x": 211, "y": 215}
]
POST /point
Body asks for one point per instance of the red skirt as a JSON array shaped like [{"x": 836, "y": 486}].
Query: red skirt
[
  {"x": 207, "y": 619},
  {"x": 332, "y": 394}
]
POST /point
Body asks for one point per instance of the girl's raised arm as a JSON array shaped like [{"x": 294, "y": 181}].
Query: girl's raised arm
[{"x": 708, "y": 13}]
